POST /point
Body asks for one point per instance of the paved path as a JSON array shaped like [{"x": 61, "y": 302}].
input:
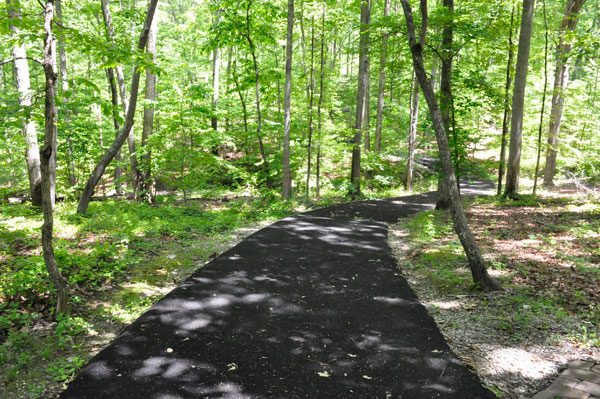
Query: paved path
[
  {"x": 312, "y": 306},
  {"x": 580, "y": 380}
]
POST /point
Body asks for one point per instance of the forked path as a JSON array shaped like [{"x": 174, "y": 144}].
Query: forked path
[{"x": 312, "y": 306}]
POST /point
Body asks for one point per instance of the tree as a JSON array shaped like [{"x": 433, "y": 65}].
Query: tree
[
  {"x": 561, "y": 82},
  {"x": 286, "y": 185},
  {"x": 96, "y": 174},
  {"x": 476, "y": 262},
  {"x": 539, "y": 140},
  {"x": 32, "y": 154},
  {"x": 518, "y": 101},
  {"x": 361, "y": 96},
  {"x": 381, "y": 91},
  {"x": 216, "y": 70},
  {"x": 48, "y": 161}
]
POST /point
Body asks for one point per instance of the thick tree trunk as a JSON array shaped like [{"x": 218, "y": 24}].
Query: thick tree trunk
[
  {"x": 361, "y": 97},
  {"x": 381, "y": 92},
  {"x": 516, "y": 126},
  {"x": 21, "y": 68},
  {"x": 144, "y": 184},
  {"x": 476, "y": 262},
  {"x": 48, "y": 163},
  {"x": 561, "y": 82},
  {"x": 286, "y": 185},
  {"x": 110, "y": 33},
  {"x": 446, "y": 106},
  {"x": 88, "y": 191},
  {"x": 506, "y": 118}
]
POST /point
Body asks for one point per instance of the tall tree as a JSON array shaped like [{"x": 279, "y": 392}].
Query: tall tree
[
  {"x": 518, "y": 102},
  {"x": 21, "y": 68},
  {"x": 320, "y": 105},
  {"x": 539, "y": 140},
  {"x": 561, "y": 82},
  {"x": 476, "y": 262},
  {"x": 286, "y": 185},
  {"x": 381, "y": 92},
  {"x": 216, "y": 71},
  {"x": 362, "y": 92},
  {"x": 98, "y": 171},
  {"x": 48, "y": 162},
  {"x": 506, "y": 117},
  {"x": 144, "y": 184}
]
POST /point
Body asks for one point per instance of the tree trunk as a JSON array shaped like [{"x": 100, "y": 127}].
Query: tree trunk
[
  {"x": 446, "y": 104},
  {"x": 21, "y": 68},
  {"x": 412, "y": 132},
  {"x": 110, "y": 33},
  {"x": 216, "y": 69},
  {"x": 381, "y": 92},
  {"x": 506, "y": 118},
  {"x": 311, "y": 90},
  {"x": 286, "y": 185},
  {"x": 114, "y": 99},
  {"x": 88, "y": 191},
  {"x": 48, "y": 162},
  {"x": 539, "y": 141},
  {"x": 476, "y": 262},
  {"x": 561, "y": 82},
  {"x": 144, "y": 183},
  {"x": 320, "y": 106},
  {"x": 361, "y": 97},
  {"x": 516, "y": 126}
]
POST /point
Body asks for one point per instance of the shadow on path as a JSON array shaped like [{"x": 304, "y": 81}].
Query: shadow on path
[{"x": 312, "y": 306}]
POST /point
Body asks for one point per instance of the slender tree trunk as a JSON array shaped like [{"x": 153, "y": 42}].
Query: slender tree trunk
[
  {"x": 242, "y": 99},
  {"x": 48, "y": 162},
  {"x": 446, "y": 103},
  {"x": 506, "y": 118},
  {"x": 216, "y": 69},
  {"x": 516, "y": 126},
  {"x": 114, "y": 99},
  {"x": 561, "y": 83},
  {"x": 311, "y": 89},
  {"x": 286, "y": 186},
  {"x": 110, "y": 34},
  {"x": 412, "y": 132},
  {"x": 229, "y": 58},
  {"x": 381, "y": 92},
  {"x": 320, "y": 106},
  {"x": 21, "y": 68},
  {"x": 476, "y": 262},
  {"x": 144, "y": 188},
  {"x": 361, "y": 97},
  {"x": 88, "y": 191},
  {"x": 539, "y": 141}
]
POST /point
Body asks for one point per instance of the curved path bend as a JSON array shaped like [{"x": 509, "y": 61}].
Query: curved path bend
[{"x": 312, "y": 306}]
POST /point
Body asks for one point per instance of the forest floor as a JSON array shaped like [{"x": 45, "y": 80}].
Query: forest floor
[{"x": 546, "y": 253}]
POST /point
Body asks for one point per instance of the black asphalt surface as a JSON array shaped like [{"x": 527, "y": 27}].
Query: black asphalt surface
[{"x": 312, "y": 306}]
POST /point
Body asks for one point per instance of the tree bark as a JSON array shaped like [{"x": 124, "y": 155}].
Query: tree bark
[
  {"x": 320, "y": 105},
  {"x": 216, "y": 70},
  {"x": 48, "y": 162},
  {"x": 88, "y": 191},
  {"x": 361, "y": 97},
  {"x": 539, "y": 141},
  {"x": 476, "y": 262},
  {"x": 516, "y": 126},
  {"x": 381, "y": 92},
  {"x": 286, "y": 185},
  {"x": 144, "y": 183},
  {"x": 311, "y": 89},
  {"x": 506, "y": 118},
  {"x": 21, "y": 68},
  {"x": 561, "y": 83},
  {"x": 110, "y": 34}
]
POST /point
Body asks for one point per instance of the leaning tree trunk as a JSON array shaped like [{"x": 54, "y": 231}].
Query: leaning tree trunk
[
  {"x": 144, "y": 184},
  {"x": 286, "y": 185},
  {"x": 506, "y": 118},
  {"x": 88, "y": 191},
  {"x": 476, "y": 262},
  {"x": 518, "y": 102},
  {"x": 48, "y": 163},
  {"x": 381, "y": 92},
  {"x": 21, "y": 68},
  {"x": 361, "y": 97},
  {"x": 561, "y": 82}
]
